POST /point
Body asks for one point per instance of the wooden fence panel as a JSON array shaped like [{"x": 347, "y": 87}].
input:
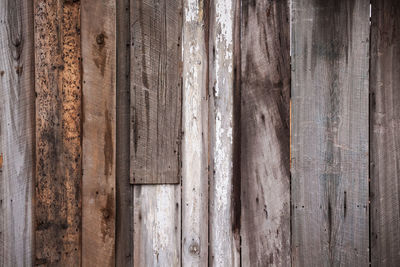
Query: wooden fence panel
[
  {"x": 329, "y": 146},
  {"x": 17, "y": 133},
  {"x": 224, "y": 229},
  {"x": 384, "y": 133},
  {"x": 265, "y": 98},
  {"x": 156, "y": 91},
  {"x": 99, "y": 130},
  {"x": 195, "y": 137},
  {"x": 58, "y": 133}
]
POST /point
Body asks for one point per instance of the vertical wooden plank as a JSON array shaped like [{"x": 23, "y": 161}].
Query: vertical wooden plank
[
  {"x": 384, "y": 133},
  {"x": 156, "y": 91},
  {"x": 224, "y": 235},
  {"x": 17, "y": 136},
  {"x": 58, "y": 133},
  {"x": 99, "y": 97},
  {"x": 195, "y": 138},
  {"x": 329, "y": 148},
  {"x": 265, "y": 98},
  {"x": 124, "y": 193}
]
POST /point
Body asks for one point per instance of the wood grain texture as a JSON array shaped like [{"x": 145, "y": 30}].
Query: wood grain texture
[
  {"x": 58, "y": 133},
  {"x": 265, "y": 98},
  {"x": 224, "y": 248},
  {"x": 156, "y": 27},
  {"x": 384, "y": 133},
  {"x": 99, "y": 130},
  {"x": 195, "y": 137},
  {"x": 329, "y": 146},
  {"x": 124, "y": 193},
  {"x": 17, "y": 133}
]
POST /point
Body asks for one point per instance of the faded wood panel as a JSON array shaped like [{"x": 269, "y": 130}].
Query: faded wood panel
[
  {"x": 124, "y": 193},
  {"x": 99, "y": 130},
  {"x": 17, "y": 133},
  {"x": 157, "y": 225},
  {"x": 384, "y": 133},
  {"x": 265, "y": 97},
  {"x": 195, "y": 137},
  {"x": 329, "y": 146},
  {"x": 224, "y": 230},
  {"x": 58, "y": 133},
  {"x": 155, "y": 91}
]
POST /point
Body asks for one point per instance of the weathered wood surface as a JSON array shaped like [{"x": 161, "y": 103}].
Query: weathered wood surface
[
  {"x": 17, "y": 136},
  {"x": 195, "y": 137},
  {"x": 99, "y": 129},
  {"x": 329, "y": 146},
  {"x": 124, "y": 193},
  {"x": 384, "y": 133},
  {"x": 265, "y": 98},
  {"x": 58, "y": 133},
  {"x": 157, "y": 225},
  {"x": 156, "y": 91},
  {"x": 224, "y": 231}
]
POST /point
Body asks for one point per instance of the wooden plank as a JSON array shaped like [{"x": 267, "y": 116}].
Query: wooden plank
[
  {"x": 329, "y": 141},
  {"x": 124, "y": 193},
  {"x": 17, "y": 133},
  {"x": 384, "y": 133},
  {"x": 156, "y": 91},
  {"x": 58, "y": 133},
  {"x": 99, "y": 129},
  {"x": 224, "y": 230},
  {"x": 265, "y": 98},
  {"x": 195, "y": 138}
]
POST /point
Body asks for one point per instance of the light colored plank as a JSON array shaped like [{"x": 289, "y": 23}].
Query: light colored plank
[
  {"x": 195, "y": 137},
  {"x": 99, "y": 97},
  {"x": 124, "y": 193},
  {"x": 156, "y": 28},
  {"x": 17, "y": 133},
  {"x": 157, "y": 225},
  {"x": 265, "y": 98},
  {"x": 329, "y": 146},
  {"x": 384, "y": 133},
  {"x": 58, "y": 133},
  {"x": 224, "y": 237}
]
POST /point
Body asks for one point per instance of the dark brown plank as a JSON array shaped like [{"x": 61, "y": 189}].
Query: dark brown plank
[
  {"x": 155, "y": 91},
  {"x": 58, "y": 133},
  {"x": 265, "y": 98},
  {"x": 99, "y": 132},
  {"x": 329, "y": 140},
  {"x": 384, "y": 133},
  {"x": 124, "y": 193},
  {"x": 17, "y": 133}
]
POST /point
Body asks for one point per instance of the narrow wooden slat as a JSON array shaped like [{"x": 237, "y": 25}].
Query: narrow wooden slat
[
  {"x": 329, "y": 146},
  {"x": 384, "y": 133},
  {"x": 195, "y": 138},
  {"x": 17, "y": 136},
  {"x": 58, "y": 133},
  {"x": 99, "y": 129},
  {"x": 156, "y": 91},
  {"x": 265, "y": 98},
  {"x": 124, "y": 193},
  {"x": 224, "y": 231}
]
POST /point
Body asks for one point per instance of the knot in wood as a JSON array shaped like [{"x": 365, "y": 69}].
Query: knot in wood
[
  {"x": 100, "y": 39},
  {"x": 194, "y": 249}
]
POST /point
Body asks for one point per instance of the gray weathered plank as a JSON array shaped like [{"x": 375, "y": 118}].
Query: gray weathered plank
[
  {"x": 99, "y": 129},
  {"x": 155, "y": 91},
  {"x": 384, "y": 133},
  {"x": 195, "y": 137},
  {"x": 58, "y": 133},
  {"x": 224, "y": 230},
  {"x": 124, "y": 193},
  {"x": 17, "y": 133},
  {"x": 265, "y": 98},
  {"x": 329, "y": 141}
]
